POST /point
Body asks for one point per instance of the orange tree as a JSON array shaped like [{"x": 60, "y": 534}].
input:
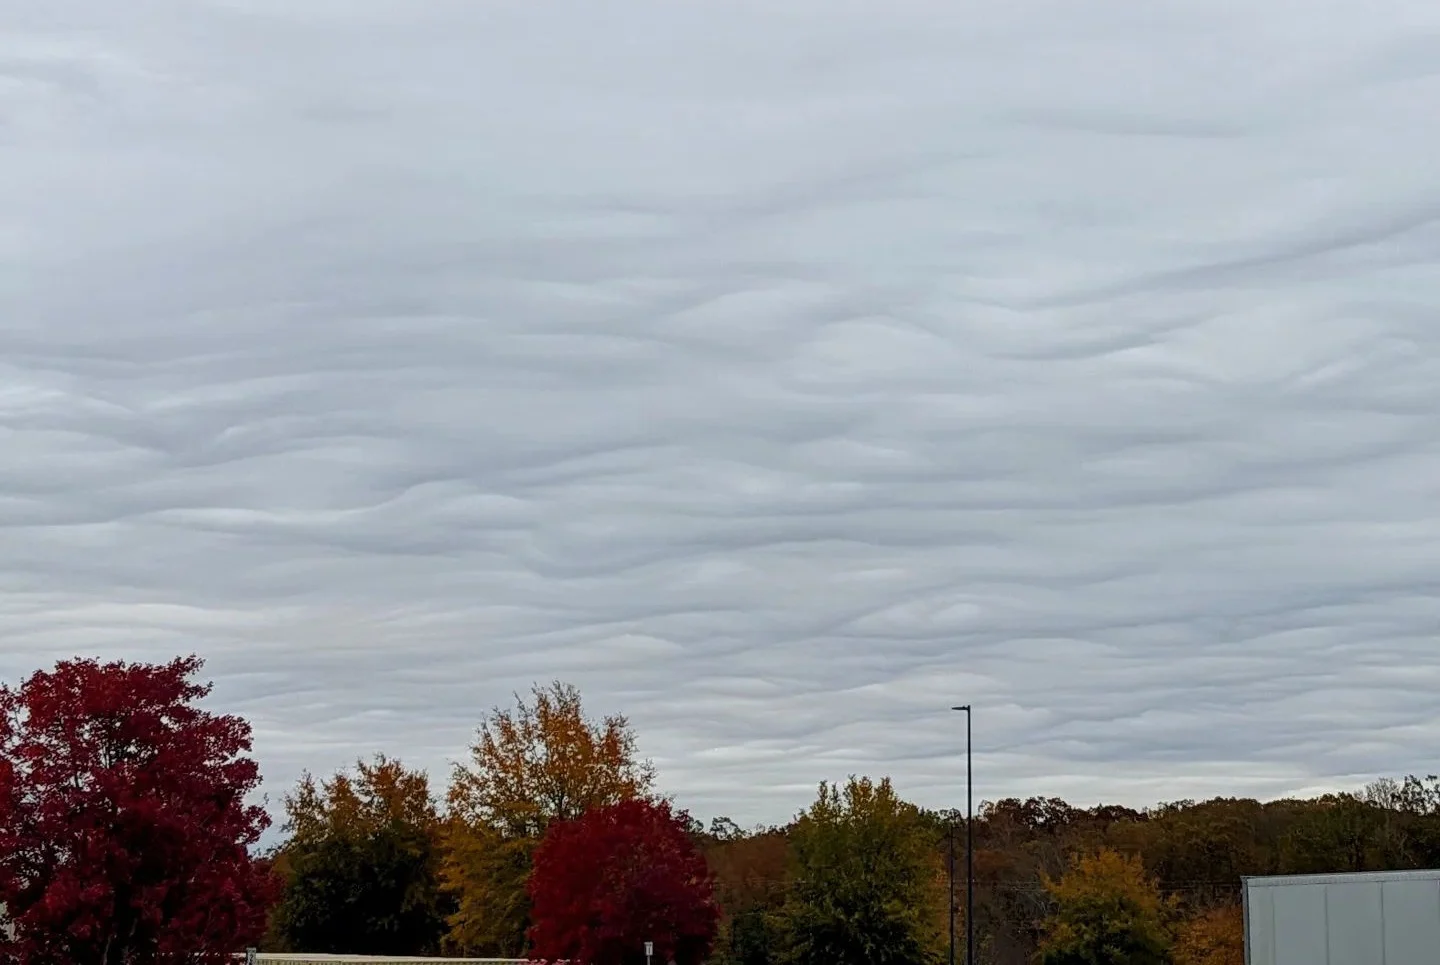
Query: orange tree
[
  {"x": 543, "y": 761},
  {"x": 1214, "y": 937},
  {"x": 618, "y": 877},
  {"x": 751, "y": 883}
]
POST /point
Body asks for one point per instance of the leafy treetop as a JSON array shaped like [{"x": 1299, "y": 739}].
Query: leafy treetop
[
  {"x": 1107, "y": 912},
  {"x": 617, "y": 877},
  {"x": 125, "y": 835},
  {"x": 543, "y": 761}
]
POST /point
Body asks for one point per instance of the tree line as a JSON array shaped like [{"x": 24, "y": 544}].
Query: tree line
[{"x": 127, "y": 835}]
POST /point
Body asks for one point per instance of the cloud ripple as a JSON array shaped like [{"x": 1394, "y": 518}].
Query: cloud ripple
[{"x": 778, "y": 376}]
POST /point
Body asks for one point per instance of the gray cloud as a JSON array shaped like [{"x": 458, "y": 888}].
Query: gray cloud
[{"x": 778, "y": 376}]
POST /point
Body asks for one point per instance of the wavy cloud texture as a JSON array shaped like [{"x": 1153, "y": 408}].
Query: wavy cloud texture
[{"x": 778, "y": 373}]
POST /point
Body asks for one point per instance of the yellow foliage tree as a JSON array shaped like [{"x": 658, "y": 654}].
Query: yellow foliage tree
[
  {"x": 541, "y": 762},
  {"x": 1215, "y": 937},
  {"x": 1107, "y": 912},
  {"x": 381, "y": 791}
]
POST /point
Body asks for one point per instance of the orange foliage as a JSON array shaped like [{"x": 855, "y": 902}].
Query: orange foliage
[
  {"x": 750, "y": 872},
  {"x": 545, "y": 761},
  {"x": 542, "y": 762},
  {"x": 380, "y": 792},
  {"x": 1215, "y": 937}
]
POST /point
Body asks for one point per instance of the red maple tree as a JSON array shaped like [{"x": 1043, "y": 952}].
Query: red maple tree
[
  {"x": 617, "y": 877},
  {"x": 124, "y": 832}
]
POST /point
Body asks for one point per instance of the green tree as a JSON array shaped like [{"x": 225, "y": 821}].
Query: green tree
[
  {"x": 1201, "y": 850},
  {"x": 1410, "y": 809},
  {"x": 1107, "y": 912},
  {"x": 866, "y": 886},
  {"x": 361, "y": 867},
  {"x": 1337, "y": 832}
]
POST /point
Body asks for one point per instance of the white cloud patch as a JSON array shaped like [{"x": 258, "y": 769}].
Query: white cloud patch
[{"x": 780, "y": 374}]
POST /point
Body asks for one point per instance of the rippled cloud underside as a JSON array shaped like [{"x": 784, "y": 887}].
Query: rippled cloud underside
[{"x": 778, "y": 373}]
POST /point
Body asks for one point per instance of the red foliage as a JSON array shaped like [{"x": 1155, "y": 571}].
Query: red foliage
[
  {"x": 124, "y": 832},
  {"x": 617, "y": 877}
]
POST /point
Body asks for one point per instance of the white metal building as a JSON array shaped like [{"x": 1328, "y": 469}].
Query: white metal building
[{"x": 1381, "y": 918}]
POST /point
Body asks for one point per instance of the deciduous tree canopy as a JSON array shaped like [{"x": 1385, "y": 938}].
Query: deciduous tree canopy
[
  {"x": 1213, "y": 937},
  {"x": 125, "y": 834},
  {"x": 542, "y": 762},
  {"x": 867, "y": 880},
  {"x": 126, "y": 837},
  {"x": 751, "y": 884},
  {"x": 617, "y": 877},
  {"x": 546, "y": 761},
  {"x": 362, "y": 864},
  {"x": 1107, "y": 912}
]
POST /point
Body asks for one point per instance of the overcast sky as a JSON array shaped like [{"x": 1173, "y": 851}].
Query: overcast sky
[{"x": 779, "y": 373}]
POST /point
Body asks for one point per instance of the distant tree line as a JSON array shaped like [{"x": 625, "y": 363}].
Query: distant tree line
[{"x": 126, "y": 836}]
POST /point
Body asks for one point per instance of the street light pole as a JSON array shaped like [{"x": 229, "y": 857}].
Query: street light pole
[{"x": 969, "y": 854}]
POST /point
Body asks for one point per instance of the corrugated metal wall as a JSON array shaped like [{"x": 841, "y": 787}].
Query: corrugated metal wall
[{"x": 1379, "y": 919}]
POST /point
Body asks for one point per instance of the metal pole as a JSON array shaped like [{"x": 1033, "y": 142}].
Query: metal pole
[{"x": 969, "y": 846}]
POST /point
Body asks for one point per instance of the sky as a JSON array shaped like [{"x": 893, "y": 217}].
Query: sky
[{"x": 780, "y": 374}]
